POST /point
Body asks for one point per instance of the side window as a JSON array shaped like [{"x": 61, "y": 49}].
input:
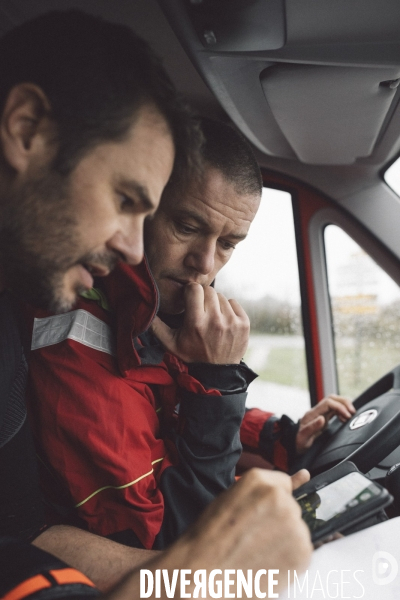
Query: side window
[
  {"x": 263, "y": 276},
  {"x": 365, "y": 304}
]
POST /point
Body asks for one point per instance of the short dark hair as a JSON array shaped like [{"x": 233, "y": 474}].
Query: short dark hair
[
  {"x": 227, "y": 150},
  {"x": 96, "y": 75}
]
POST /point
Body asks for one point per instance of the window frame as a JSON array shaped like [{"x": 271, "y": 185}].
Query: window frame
[
  {"x": 299, "y": 192},
  {"x": 312, "y": 212},
  {"x": 389, "y": 264}
]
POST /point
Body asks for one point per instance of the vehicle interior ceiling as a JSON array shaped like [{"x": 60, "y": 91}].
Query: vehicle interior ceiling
[
  {"x": 311, "y": 83},
  {"x": 319, "y": 105}
]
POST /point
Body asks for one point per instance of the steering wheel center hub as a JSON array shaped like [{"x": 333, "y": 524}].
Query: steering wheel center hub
[{"x": 364, "y": 418}]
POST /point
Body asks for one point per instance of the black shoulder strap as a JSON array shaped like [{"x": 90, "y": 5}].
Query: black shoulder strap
[{"x": 13, "y": 372}]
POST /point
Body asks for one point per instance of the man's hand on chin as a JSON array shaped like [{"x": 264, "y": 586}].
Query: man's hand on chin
[{"x": 215, "y": 330}]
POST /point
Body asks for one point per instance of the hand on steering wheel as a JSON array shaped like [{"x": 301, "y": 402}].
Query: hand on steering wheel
[
  {"x": 316, "y": 419},
  {"x": 367, "y": 444}
]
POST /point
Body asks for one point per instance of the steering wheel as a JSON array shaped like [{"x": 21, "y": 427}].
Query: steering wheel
[{"x": 370, "y": 438}]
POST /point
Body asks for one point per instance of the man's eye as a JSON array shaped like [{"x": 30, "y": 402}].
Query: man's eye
[
  {"x": 185, "y": 228},
  {"x": 227, "y": 245},
  {"x": 126, "y": 203}
]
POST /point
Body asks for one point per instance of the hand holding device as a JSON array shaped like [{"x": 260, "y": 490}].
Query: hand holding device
[{"x": 338, "y": 499}]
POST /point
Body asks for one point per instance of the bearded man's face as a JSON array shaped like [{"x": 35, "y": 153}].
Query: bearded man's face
[
  {"x": 57, "y": 232},
  {"x": 40, "y": 243}
]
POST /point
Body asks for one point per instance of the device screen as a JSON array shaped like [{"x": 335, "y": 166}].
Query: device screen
[{"x": 333, "y": 500}]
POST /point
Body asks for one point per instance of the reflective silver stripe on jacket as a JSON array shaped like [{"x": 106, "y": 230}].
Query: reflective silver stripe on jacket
[{"x": 78, "y": 325}]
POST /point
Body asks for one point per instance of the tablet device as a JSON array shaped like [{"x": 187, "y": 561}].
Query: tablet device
[{"x": 338, "y": 499}]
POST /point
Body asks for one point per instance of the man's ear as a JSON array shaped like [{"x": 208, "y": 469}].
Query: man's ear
[{"x": 25, "y": 128}]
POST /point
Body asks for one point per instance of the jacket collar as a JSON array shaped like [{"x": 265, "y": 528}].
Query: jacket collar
[{"x": 134, "y": 299}]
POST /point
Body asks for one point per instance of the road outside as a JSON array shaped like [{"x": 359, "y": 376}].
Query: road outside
[{"x": 282, "y": 384}]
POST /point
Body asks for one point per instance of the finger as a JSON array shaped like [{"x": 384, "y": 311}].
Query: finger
[
  {"x": 339, "y": 409},
  {"x": 313, "y": 426},
  {"x": 265, "y": 477},
  {"x": 238, "y": 309},
  {"x": 329, "y": 404},
  {"x": 345, "y": 401},
  {"x": 342, "y": 400},
  {"x": 300, "y": 478},
  {"x": 307, "y": 434},
  {"x": 234, "y": 313},
  {"x": 211, "y": 302},
  {"x": 225, "y": 306},
  {"x": 194, "y": 302},
  {"x": 165, "y": 334},
  {"x": 326, "y": 414}
]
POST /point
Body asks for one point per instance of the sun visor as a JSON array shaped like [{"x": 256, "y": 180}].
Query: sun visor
[{"x": 329, "y": 115}]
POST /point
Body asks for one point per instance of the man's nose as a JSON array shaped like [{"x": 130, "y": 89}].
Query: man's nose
[
  {"x": 128, "y": 240},
  {"x": 201, "y": 257}
]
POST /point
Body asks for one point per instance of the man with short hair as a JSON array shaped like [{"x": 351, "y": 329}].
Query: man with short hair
[
  {"x": 89, "y": 129},
  {"x": 164, "y": 433},
  {"x": 191, "y": 237}
]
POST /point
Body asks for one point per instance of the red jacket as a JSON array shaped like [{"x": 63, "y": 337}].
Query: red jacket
[
  {"x": 103, "y": 411},
  {"x": 103, "y": 406}
]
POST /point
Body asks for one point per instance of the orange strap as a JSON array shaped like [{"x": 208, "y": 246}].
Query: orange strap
[
  {"x": 30, "y": 586},
  {"x": 39, "y": 582},
  {"x": 63, "y": 576}
]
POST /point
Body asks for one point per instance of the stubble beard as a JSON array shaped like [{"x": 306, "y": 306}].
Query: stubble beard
[{"x": 38, "y": 236}]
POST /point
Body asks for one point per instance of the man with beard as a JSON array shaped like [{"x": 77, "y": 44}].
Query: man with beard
[
  {"x": 164, "y": 433},
  {"x": 89, "y": 128}
]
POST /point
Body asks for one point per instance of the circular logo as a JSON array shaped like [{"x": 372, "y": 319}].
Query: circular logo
[
  {"x": 366, "y": 417},
  {"x": 384, "y": 568}
]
